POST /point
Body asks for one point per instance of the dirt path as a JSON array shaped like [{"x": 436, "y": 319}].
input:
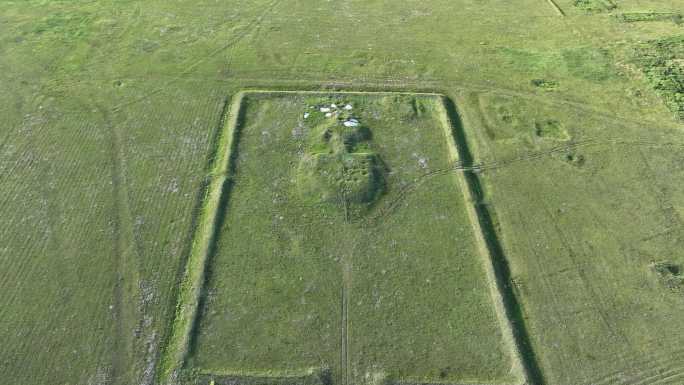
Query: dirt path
[
  {"x": 344, "y": 353},
  {"x": 128, "y": 275},
  {"x": 556, "y": 7},
  {"x": 345, "y": 365}
]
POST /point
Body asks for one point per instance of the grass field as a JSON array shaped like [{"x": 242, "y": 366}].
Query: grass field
[
  {"x": 111, "y": 123},
  {"x": 303, "y": 281},
  {"x": 582, "y": 252}
]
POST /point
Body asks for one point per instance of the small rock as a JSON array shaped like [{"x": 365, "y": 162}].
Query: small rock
[{"x": 351, "y": 123}]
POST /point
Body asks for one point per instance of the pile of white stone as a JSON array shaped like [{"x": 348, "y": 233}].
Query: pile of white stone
[
  {"x": 351, "y": 122},
  {"x": 332, "y": 110}
]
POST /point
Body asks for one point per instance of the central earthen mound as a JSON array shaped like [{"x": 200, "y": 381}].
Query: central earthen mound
[{"x": 339, "y": 166}]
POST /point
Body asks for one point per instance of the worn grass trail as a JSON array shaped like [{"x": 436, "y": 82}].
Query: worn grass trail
[
  {"x": 556, "y": 7},
  {"x": 127, "y": 296},
  {"x": 344, "y": 332}
]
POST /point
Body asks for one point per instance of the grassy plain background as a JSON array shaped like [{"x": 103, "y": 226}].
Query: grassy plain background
[{"x": 108, "y": 109}]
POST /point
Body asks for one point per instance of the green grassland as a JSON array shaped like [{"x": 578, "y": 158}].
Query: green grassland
[
  {"x": 396, "y": 278},
  {"x": 585, "y": 226},
  {"x": 111, "y": 114}
]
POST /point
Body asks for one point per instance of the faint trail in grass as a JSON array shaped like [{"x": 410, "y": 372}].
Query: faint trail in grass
[
  {"x": 325, "y": 80},
  {"x": 251, "y": 26},
  {"x": 101, "y": 52},
  {"x": 346, "y": 293},
  {"x": 556, "y": 7},
  {"x": 668, "y": 211},
  {"x": 664, "y": 375},
  {"x": 570, "y": 146},
  {"x": 404, "y": 382},
  {"x": 119, "y": 247},
  {"x": 126, "y": 289},
  {"x": 254, "y": 23},
  {"x": 344, "y": 350},
  {"x": 434, "y": 85},
  {"x": 390, "y": 206},
  {"x": 5, "y": 140},
  {"x": 586, "y": 282},
  {"x": 663, "y": 367}
]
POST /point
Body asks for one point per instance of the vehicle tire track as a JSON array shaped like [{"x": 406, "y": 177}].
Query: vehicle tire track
[
  {"x": 596, "y": 303},
  {"x": 391, "y": 206},
  {"x": 662, "y": 362},
  {"x": 667, "y": 380},
  {"x": 634, "y": 360},
  {"x": 126, "y": 290},
  {"x": 345, "y": 365},
  {"x": 344, "y": 350},
  {"x": 435, "y": 85},
  {"x": 254, "y": 23},
  {"x": 556, "y": 7}
]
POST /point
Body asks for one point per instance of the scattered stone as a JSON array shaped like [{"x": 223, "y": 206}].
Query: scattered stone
[
  {"x": 333, "y": 105},
  {"x": 306, "y": 115},
  {"x": 325, "y": 109},
  {"x": 328, "y": 115},
  {"x": 348, "y": 107},
  {"x": 351, "y": 123}
]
